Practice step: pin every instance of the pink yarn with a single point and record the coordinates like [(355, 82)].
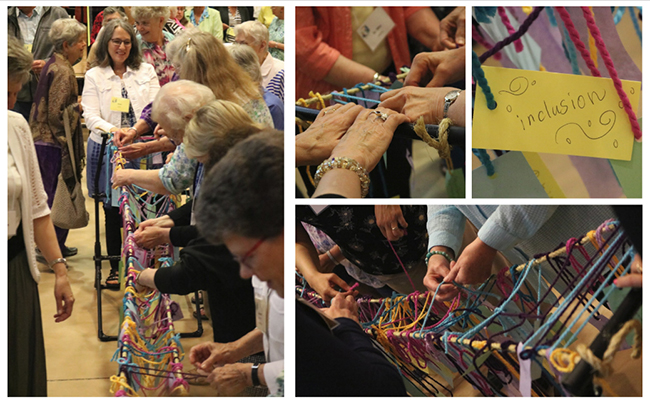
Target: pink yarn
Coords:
[(600, 44), (577, 41), (476, 35), (120, 393), (511, 30)]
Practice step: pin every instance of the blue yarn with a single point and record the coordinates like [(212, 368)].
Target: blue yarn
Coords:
[(635, 21), (551, 16), (484, 14), (483, 156), (570, 49), (479, 77), (355, 97), (619, 15)]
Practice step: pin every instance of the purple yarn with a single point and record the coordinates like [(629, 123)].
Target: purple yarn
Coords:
[(520, 32)]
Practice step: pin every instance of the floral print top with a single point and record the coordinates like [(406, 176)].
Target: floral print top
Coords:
[(156, 56), (276, 34)]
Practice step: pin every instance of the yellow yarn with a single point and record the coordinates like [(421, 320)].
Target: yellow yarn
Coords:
[(442, 144), (320, 99)]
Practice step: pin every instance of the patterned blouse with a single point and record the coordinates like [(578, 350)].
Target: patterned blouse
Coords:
[(354, 228), (156, 56), (276, 34), (180, 172)]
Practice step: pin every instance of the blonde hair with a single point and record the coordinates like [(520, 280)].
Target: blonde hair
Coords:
[(247, 59), (176, 103), (146, 13), (201, 57), (215, 128)]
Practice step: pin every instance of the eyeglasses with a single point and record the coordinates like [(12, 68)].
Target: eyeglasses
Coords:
[(243, 42), (119, 42), (246, 256)]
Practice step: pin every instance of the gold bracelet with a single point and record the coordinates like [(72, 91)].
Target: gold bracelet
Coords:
[(343, 162)]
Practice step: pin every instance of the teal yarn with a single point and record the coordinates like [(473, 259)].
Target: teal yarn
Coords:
[(483, 156), (484, 14), (479, 77)]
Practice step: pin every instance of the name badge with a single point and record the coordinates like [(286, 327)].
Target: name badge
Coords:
[(375, 28), (120, 105), (262, 312)]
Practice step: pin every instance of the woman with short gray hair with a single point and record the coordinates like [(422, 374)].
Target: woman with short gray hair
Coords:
[(150, 22), (56, 116)]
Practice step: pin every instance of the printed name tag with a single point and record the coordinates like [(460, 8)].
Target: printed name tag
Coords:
[(120, 105), (554, 113), (375, 28)]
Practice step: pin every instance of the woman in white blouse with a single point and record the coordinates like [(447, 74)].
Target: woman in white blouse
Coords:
[(29, 226), (115, 93)]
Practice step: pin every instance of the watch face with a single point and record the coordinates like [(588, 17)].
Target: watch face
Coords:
[(451, 96)]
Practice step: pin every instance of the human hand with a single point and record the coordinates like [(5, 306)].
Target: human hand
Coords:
[(635, 278), (37, 66), (64, 298), (437, 270), (324, 285), (474, 264), (452, 29), (317, 142), (326, 263), (135, 151), (343, 306), (231, 379), (436, 69), (151, 237), (121, 177), (390, 221), (159, 132), (123, 136), (205, 356), (163, 222), (415, 102), (369, 137), (224, 26)]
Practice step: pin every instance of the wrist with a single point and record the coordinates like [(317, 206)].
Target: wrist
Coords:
[(254, 375)]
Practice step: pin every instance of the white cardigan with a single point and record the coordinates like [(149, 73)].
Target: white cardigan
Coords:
[(33, 200), (102, 84)]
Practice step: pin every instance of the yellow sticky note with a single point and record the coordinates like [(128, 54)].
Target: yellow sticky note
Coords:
[(554, 113), (544, 175), (120, 105), (28, 47)]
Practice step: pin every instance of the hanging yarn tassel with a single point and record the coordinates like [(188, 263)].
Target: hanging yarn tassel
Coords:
[(483, 156), (511, 30), (551, 16), (479, 76), (609, 63), (577, 41), (441, 144)]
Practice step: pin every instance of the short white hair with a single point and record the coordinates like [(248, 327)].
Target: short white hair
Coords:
[(148, 12), (255, 30), (66, 30), (176, 103)]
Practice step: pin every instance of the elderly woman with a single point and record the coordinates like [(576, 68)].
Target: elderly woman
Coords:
[(29, 225), (276, 33), (232, 214), (115, 92), (256, 35), (150, 22), (56, 116), (201, 58), (247, 59)]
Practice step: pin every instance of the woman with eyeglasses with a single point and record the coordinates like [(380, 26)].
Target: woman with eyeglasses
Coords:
[(114, 95)]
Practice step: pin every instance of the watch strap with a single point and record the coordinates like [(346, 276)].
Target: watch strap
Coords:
[(254, 375)]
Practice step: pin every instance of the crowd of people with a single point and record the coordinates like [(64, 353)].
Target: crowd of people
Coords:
[(333, 56), (183, 94)]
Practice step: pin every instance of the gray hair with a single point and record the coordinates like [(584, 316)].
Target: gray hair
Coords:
[(229, 203), (176, 103), (147, 12), (19, 61), (112, 10), (255, 30), (66, 30), (101, 44), (247, 59)]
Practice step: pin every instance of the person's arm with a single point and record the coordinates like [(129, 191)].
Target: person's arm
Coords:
[(276, 45), (140, 149), (424, 26), (153, 83), (307, 262), (209, 354), (178, 174), (92, 106), (511, 224), (180, 236), (445, 225), (426, 102), (181, 216), (45, 239), (147, 179)]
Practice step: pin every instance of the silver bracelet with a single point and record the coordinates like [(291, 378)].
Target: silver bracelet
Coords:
[(332, 257), (343, 162), (58, 260)]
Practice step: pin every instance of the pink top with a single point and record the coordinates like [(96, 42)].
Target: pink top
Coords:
[(324, 33)]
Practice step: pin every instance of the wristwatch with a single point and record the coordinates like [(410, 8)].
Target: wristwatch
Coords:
[(254, 376), (450, 98)]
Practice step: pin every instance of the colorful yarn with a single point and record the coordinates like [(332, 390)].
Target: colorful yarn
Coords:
[(600, 44), (577, 41), (511, 30), (483, 156), (476, 35), (484, 14), (520, 32), (635, 22)]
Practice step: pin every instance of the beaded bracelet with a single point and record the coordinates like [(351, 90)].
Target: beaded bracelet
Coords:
[(434, 252), (343, 162)]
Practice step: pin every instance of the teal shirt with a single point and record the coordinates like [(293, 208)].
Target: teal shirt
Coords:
[(276, 34)]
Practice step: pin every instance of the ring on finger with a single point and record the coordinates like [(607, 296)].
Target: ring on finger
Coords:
[(395, 228), (382, 116), (330, 110)]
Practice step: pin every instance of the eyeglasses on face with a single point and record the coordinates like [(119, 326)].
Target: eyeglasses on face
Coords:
[(242, 260), (119, 42)]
